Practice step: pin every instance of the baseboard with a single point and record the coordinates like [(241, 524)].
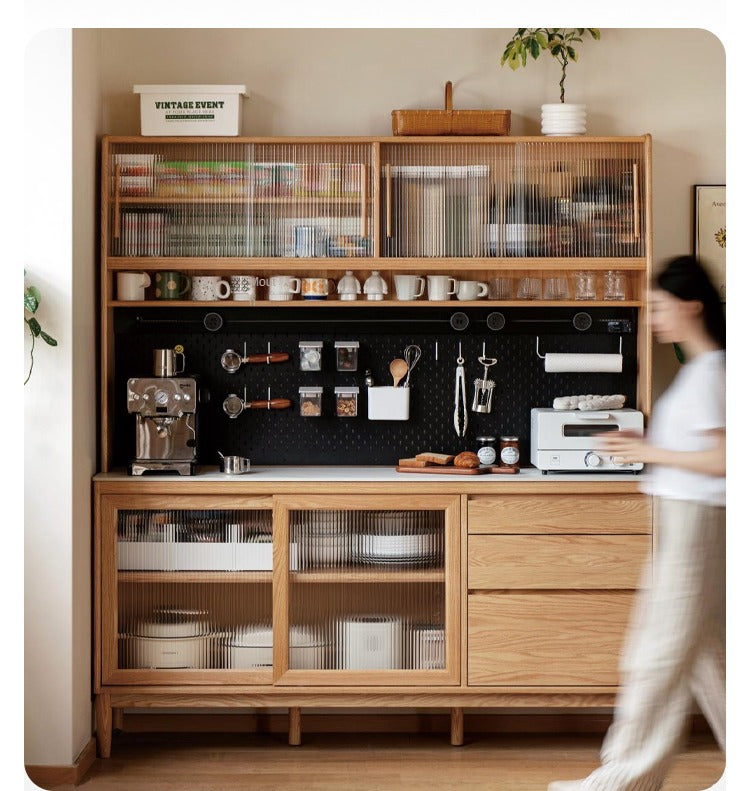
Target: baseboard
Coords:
[(48, 776)]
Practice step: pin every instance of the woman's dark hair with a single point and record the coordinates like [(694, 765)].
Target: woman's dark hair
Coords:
[(686, 279)]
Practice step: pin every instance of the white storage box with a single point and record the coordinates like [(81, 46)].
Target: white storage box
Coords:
[(388, 403), (190, 109), (253, 556)]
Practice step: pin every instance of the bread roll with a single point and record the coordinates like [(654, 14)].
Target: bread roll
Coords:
[(466, 459)]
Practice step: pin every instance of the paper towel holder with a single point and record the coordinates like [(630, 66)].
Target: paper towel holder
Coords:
[(544, 356)]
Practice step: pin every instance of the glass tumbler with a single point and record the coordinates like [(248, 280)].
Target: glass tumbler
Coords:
[(501, 288), (585, 285), (556, 288), (529, 288), (614, 285)]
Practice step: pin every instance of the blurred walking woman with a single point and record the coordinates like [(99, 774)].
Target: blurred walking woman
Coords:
[(675, 649)]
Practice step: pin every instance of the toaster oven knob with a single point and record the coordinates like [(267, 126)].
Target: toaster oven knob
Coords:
[(592, 460)]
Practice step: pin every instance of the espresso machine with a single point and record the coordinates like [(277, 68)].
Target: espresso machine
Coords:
[(166, 410)]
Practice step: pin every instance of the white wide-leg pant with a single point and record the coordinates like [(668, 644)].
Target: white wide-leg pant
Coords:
[(674, 651)]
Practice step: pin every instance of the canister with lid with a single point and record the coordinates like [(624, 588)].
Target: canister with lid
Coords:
[(486, 450), (310, 355), (510, 453)]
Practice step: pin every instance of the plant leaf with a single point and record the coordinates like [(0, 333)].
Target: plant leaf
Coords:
[(572, 53), (595, 32), (534, 48), (541, 39), (34, 326), (555, 49), (31, 299), (47, 338)]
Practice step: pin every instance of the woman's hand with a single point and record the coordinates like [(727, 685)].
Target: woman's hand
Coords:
[(627, 447)]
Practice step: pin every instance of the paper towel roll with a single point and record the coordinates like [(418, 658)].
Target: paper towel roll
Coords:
[(604, 363)]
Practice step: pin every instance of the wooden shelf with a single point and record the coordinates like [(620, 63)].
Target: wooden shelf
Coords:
[(368, 576), (367, 263), (363, 303), (194, 576)]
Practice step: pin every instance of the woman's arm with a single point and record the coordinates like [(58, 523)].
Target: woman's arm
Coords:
[(634, 448)]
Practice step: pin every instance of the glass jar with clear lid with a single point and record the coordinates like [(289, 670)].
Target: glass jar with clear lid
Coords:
[(310, 355), (346, 401), (311, 401), (347, 353)]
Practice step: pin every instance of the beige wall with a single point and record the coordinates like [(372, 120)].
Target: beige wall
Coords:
[(346, 82)]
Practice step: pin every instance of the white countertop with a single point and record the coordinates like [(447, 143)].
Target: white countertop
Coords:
[(366, 475)]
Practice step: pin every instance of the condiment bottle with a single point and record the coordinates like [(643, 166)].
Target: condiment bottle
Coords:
[(510, 453)]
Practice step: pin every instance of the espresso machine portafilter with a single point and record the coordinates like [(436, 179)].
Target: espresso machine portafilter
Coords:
[(166, 408)]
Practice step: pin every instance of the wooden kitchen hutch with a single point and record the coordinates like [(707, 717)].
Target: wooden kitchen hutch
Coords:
[(320, 590)]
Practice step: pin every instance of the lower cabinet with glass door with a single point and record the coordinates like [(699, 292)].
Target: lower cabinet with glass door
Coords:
[(211, 600)]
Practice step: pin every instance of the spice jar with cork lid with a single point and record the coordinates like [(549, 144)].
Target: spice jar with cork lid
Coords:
[(510, 453)]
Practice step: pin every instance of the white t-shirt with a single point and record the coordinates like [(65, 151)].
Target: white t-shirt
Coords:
[(695, 403)]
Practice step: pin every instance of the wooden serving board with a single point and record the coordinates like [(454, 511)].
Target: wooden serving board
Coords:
[(448, 469), (506, 470)]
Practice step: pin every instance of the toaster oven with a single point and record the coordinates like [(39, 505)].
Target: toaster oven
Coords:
[(565, 439)]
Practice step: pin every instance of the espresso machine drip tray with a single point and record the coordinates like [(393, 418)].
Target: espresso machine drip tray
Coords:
[(139, 467)]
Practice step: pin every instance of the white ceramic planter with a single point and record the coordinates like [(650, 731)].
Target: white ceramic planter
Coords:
[(563, 119)]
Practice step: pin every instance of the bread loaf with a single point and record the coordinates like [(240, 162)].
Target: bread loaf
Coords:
[(434, 458), (466, 459), (412, 463)]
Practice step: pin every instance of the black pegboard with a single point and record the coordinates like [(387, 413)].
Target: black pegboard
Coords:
[(284, 437)]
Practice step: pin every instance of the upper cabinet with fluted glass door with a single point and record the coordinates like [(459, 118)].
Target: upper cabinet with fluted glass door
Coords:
[(470, 207)]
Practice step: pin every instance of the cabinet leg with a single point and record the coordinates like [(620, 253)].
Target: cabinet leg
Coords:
[(117, 719), (103, 725), (457, 727), (295, 726)]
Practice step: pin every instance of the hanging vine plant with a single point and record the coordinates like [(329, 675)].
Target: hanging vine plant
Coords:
[(31, 299)]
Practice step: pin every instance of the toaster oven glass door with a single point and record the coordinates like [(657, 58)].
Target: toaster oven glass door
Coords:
[(579, 430)]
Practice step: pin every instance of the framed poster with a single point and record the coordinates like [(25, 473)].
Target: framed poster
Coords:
[(711, 233)]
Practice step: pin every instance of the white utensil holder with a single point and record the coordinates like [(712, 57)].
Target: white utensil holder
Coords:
[(388, 403)]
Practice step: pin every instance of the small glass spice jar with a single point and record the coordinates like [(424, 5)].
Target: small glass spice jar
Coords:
[(486, 450), (310, 355), (510, 453), (346, 401), (347, 353), (310, 401)]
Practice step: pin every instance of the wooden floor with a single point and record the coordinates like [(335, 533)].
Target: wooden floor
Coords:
[(368, 762)]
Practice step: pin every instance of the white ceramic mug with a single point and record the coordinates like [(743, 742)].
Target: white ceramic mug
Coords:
[(441, 287), (131, 286), (472, 289), (282, 288), (208, 288), (409, 287), (242, 288)]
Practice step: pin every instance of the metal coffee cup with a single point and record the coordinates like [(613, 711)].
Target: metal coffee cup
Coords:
[(165, 362), (235, 465)]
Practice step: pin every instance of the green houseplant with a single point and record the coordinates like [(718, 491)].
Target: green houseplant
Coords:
[(556, 119), (31, 299)]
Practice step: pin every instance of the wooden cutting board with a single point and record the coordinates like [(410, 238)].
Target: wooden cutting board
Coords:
[(448, 469)]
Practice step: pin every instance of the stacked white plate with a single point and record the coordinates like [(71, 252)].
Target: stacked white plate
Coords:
[(563, 119)]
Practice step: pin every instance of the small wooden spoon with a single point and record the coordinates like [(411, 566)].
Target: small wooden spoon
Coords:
[(398, 368)]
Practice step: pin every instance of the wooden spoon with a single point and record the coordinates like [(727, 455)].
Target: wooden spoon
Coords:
[(398, 368)]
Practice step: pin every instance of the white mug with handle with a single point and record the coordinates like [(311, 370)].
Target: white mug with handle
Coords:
[(208, 288), (472, 289), (131, 286), (441, 287), (409, 287)]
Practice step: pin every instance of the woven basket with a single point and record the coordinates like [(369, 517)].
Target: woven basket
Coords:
[(450, 121)]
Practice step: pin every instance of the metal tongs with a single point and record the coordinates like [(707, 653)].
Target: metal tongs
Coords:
[(459, 423), (484, 388)]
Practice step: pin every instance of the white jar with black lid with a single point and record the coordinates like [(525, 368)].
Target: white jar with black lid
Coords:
[(486, 450)]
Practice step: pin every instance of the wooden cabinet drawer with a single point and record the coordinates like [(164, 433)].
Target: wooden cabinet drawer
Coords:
[(547, 561), (560, 513), (565, 638)]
